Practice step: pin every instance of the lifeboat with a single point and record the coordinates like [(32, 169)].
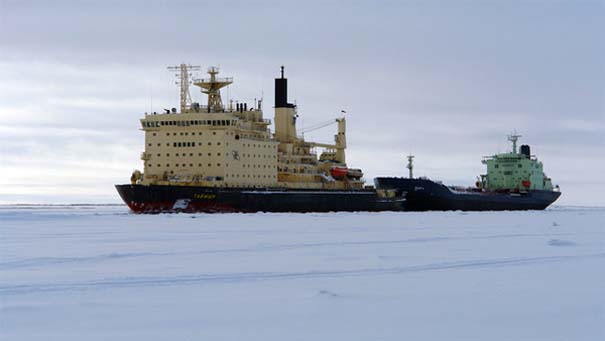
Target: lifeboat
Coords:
[(355, 173), (339, 172)]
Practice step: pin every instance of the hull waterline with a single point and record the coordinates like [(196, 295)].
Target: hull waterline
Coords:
[(159, 199)]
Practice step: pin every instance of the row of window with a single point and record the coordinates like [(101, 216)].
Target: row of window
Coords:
[(185, 144), (183, 165), (190, 154), (237, 137), (182, 123), (191, 144), (518, 165), (187, 134), (219, 154), (218, 165)]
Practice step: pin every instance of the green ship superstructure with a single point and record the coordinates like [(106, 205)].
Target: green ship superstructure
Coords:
[(516, 171)]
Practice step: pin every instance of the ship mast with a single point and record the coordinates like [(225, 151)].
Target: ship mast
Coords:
[(513, 138), (183, 76), (410, 165)]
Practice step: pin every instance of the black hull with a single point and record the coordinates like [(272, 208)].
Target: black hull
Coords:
[(157, 199), (427, 195)]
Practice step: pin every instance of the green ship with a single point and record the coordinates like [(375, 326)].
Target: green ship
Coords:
[(514, 181)]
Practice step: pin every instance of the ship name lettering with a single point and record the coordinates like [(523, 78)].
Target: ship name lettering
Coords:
[(204, 196)]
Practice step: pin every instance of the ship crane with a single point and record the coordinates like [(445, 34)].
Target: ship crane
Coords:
[(340, 140), (318, 126)]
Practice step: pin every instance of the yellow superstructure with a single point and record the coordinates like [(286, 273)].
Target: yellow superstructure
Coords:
[(232, 146)]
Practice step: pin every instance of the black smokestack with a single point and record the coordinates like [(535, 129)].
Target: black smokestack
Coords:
[(281, 92), (526, 151)]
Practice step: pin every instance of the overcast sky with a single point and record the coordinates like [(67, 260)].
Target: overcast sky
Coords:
[(444, 80)]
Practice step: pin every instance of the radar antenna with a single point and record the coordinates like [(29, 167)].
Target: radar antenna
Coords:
[(212, 87), (183, 76), (513, 138), (410, 165)]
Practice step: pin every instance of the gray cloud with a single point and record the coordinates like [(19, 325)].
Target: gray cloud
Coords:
[(444, 80)]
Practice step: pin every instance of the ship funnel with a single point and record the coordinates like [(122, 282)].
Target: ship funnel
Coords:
[(281, 92), (525, 150)]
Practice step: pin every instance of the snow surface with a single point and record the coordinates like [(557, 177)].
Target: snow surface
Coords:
[(101, 273)]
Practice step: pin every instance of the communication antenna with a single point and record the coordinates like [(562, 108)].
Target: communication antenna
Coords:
[(183, 83), (513, 138), (211, 86), (410, 165)]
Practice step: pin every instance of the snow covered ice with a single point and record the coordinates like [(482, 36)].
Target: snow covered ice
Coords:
[(101, 273)]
